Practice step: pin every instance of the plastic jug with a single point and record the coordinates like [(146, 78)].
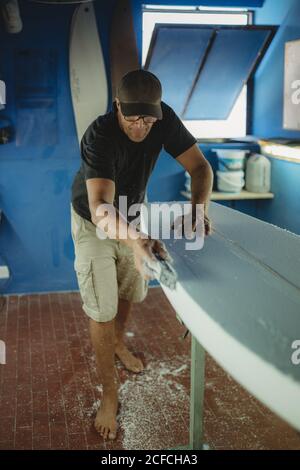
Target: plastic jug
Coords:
[(258, 174)]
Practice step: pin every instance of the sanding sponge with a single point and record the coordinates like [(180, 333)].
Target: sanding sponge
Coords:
[(162, 270)]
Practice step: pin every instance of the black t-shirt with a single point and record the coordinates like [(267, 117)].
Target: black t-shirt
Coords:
[(107, 152)]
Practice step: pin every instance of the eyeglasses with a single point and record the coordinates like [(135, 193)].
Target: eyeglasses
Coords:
[(146, 119)]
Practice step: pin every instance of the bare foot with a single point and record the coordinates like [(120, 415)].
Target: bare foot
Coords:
[(131, 362), (105, 421)]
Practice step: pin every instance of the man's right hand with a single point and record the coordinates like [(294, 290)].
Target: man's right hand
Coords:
[(143, 249)]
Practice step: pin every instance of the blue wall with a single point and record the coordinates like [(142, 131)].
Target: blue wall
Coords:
[(37, 167), (284, 210), (269, 78)]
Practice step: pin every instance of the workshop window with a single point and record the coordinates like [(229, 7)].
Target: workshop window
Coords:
[(190, 75)]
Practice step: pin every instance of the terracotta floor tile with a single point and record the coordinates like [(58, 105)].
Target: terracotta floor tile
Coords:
[(77, 442), (41, 426), (23, 440), (7, 428), (41, 443), (39, 402), (7, 445), (58, 435)]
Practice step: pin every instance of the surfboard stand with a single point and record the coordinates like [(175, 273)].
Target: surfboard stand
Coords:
[(196, 398)]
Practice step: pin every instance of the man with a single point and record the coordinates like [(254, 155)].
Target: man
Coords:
[(119, 151)]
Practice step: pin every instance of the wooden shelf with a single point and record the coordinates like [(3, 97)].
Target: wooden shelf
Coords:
[(221, 196), (280, 151)]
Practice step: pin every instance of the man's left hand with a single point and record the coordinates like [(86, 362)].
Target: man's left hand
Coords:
[(207, 225), (192, 221)]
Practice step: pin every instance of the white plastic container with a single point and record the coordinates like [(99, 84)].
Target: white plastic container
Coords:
[(230, 181), (258, 174), (230, 159)]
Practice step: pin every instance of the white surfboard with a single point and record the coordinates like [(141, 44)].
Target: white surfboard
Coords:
[(240, 298), (87, 69), (123, 47)]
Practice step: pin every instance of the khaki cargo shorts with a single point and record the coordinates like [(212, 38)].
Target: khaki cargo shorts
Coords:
[(105, 271)]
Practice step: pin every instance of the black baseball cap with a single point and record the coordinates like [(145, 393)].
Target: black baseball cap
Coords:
[(139, 93)]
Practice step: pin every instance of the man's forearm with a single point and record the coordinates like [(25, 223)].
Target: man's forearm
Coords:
[(201, 186)]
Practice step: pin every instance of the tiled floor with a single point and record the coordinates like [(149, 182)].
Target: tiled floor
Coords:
[(50, 390)]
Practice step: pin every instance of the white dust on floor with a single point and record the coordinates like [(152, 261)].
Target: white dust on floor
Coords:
[(153, 404), (130, 334)]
